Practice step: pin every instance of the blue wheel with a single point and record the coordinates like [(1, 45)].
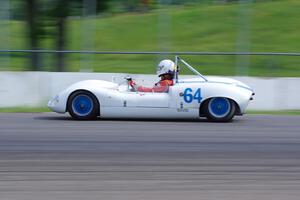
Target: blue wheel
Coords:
[(83, 105), (220, 109)]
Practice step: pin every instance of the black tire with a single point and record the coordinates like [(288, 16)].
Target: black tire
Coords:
[(83, 105), (220, 109)]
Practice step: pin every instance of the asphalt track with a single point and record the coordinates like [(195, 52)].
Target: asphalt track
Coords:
[(46, 156)]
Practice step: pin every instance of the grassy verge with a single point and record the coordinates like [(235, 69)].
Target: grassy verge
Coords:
[(273, 27), (280, 112), (24, 110)]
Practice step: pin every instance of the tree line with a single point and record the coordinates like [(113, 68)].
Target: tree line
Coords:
[(48, 18)]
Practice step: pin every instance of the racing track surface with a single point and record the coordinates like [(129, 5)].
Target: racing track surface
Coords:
[(47, 156)]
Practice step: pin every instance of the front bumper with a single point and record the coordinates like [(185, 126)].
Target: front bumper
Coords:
[(55, 104)]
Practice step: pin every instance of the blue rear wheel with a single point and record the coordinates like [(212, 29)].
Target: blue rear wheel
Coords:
[(220, 109), (83, 105)]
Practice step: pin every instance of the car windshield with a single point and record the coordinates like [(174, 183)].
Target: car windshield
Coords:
[(189, 67)]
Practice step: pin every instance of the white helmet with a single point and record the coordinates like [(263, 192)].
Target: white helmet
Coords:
[(166, 67)]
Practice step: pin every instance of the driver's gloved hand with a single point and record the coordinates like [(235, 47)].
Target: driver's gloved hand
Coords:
[(133, 85)]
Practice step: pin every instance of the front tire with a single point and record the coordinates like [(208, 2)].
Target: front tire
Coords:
[(220, 109), (83, 105)]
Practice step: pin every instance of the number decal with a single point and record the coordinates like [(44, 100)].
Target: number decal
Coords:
[(198, 95), (188, 95)]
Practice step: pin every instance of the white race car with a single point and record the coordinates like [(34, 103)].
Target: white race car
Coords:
[(217, 99)]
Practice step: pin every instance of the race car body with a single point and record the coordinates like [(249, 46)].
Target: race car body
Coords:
[(217, 98)]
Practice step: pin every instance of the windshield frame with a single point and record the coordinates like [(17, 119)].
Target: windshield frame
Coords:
[(189, 67)]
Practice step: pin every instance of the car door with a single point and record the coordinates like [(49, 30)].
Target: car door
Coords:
[(152, 99), (190, 95), (146, 99)]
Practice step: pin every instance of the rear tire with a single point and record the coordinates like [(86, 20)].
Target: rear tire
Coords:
[(83, 105), (220, 109)]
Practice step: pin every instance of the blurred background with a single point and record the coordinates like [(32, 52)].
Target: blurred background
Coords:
[(151, 25)]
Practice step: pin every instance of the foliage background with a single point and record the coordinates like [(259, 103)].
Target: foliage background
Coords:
[(148, 25)]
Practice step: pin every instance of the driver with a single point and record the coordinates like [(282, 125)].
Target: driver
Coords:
[(166, 71)]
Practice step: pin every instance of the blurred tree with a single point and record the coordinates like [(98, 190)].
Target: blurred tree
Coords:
[(34, 31), (131, 5), (52, 18), (60, 11), (77, 5), (145, 5)]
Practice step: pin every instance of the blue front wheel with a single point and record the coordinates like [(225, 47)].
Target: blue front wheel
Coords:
[(220, 109), (83, 105)]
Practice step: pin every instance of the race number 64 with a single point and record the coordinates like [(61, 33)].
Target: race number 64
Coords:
[(189, 95)]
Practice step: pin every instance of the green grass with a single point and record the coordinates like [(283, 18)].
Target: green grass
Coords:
[(24, 110), (279, 112), (204, 27)]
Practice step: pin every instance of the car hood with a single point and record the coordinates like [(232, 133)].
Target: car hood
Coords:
[(216, 79), (93, 84)]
